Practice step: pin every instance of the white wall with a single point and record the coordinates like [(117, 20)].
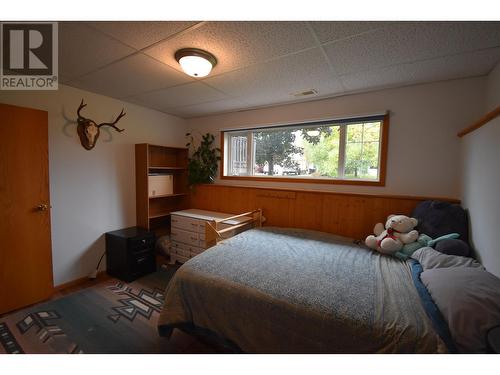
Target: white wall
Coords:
[(92, 192), (481, 180), (423, 158)]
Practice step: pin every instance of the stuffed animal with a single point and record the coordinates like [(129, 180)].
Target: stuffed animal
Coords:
[(397, 232), (422, 241)]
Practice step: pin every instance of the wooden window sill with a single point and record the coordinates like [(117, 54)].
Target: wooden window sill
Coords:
[(306, 180)]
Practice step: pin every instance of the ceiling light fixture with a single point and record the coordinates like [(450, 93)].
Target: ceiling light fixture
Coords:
[(195, 62)]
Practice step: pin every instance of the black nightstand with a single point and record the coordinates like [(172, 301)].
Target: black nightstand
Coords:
[(130, 253), (493, 338)]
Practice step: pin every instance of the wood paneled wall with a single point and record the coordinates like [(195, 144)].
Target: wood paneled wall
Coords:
[(351, 215)]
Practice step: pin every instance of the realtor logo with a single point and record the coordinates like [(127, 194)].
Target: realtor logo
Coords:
[(29, 56)]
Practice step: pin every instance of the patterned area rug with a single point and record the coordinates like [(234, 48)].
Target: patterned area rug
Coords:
[(111, 317)]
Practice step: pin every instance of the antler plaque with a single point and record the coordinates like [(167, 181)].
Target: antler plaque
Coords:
[(88, 130)]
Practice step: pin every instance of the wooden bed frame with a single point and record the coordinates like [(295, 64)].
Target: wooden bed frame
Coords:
[(215, 233)]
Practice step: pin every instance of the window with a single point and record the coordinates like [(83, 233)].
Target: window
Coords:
[(337, 151)]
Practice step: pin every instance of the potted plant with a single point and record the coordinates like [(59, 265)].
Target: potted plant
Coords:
[(203, 163)]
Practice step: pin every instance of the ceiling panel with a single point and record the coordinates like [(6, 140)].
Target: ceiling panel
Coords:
[(450, 67), (445, 38), (238, 44), (142, 34), (332, 31), (203, 109), (280, 78), (132, 75), (83, 49), (184, 95), (407, 42)]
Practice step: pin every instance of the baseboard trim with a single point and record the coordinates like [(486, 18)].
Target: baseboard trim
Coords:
[(101, 276)]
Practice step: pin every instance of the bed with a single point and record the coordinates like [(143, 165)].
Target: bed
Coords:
[(275, 290)]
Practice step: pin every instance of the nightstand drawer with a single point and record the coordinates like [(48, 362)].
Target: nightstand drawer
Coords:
[(139, 244), (143, 264)]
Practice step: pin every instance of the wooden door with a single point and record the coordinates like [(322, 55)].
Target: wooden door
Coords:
[(25, 246)]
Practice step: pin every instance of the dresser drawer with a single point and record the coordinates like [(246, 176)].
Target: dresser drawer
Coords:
[(188, 224), (183, 253), (181, 259), (181, 248), (190, 238), (196, 250)]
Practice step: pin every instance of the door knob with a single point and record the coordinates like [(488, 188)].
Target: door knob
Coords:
[(43, 207)]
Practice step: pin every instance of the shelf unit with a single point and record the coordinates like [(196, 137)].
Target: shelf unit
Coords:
[(153, 213)]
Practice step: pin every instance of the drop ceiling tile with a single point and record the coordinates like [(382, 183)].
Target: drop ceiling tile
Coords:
[(141, 34), (269, 99), (405, 42), (446, 38), (238, 44), (83, 49), (281, 78), (376, 49), (203, 109), (444, 68), (331, 31), (183, 95), (130, 76)]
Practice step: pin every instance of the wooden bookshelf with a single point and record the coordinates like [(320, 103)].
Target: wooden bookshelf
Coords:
[(153, 213)]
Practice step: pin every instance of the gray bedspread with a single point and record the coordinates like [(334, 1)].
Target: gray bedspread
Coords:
[(274, 290)]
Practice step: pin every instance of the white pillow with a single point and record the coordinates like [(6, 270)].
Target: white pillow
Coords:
[(469, 300)]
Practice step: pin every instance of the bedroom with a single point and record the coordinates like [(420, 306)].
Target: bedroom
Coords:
[(325, 128)]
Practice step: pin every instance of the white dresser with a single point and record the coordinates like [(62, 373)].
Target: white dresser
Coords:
[(188, 232)]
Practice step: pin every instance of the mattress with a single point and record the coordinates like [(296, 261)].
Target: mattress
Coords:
[(275, 290)]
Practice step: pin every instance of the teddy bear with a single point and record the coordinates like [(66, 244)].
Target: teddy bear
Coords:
[(397, 232)]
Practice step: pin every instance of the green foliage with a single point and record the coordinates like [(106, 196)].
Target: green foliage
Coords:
[(203, 163), (324, 154), (361, 152), (276, 148), (356, 164)]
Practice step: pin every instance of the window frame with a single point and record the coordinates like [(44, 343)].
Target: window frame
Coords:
[(384, 139)]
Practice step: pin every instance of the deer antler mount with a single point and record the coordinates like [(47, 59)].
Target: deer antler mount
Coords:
[(89, 131)]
